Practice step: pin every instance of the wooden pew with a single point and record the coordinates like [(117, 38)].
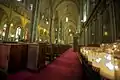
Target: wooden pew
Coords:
[(17, 57), (91, 71), (33, 52), (4, 56), (24, 56), (61, 49), (36, 56), (41, 56), (48, 55), (56, 51), (40, 53), (13, 57)]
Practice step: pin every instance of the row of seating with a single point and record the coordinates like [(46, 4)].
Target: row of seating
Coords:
[(92, 72), (33, 56)]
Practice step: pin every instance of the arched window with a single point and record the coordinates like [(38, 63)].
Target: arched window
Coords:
[(4, 29), (26, 34), (18, 33)]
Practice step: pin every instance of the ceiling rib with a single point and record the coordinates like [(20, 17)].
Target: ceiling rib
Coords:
[(73, 1)]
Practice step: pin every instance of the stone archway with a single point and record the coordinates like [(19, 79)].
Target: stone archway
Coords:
[(43, 35), (3, 15), (69, 31), (16, 23), (67, 9), (59, 2), (3, 23)]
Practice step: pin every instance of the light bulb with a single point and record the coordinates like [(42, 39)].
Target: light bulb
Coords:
[(5, 25), (69, 30), (66, 19), (44, 30), (55, 29), (70, 34), (3, 34), (12, 35), (40, 40), (116, 67), (114, 46), (47, 22), (19, 0), (11, 24)]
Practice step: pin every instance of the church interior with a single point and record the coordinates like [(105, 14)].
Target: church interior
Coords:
[(59, 40)]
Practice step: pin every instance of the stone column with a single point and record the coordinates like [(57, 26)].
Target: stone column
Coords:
[(34, 21), (9, 21)]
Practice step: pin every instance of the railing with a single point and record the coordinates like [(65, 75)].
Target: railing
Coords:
[(89, 71), (105, 58)]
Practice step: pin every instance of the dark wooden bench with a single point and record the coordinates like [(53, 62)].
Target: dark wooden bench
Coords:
[(17, 57)]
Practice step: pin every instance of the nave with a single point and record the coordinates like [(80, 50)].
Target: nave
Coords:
[(65, 67)]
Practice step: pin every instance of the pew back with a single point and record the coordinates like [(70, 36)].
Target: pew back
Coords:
[(33, 52), (15, 57), (18, 57), (4, 56)]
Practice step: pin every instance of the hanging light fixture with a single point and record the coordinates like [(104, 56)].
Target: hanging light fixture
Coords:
[(12, 35), (40, 40), (43, 16), (70, 34), (31, 6), (105, 33), (66, 19), (66, 13), (44, 30), (11, 24), (55, 29), (5, 25), (47, 22), (19, 0), (3, 34), (69, 30)]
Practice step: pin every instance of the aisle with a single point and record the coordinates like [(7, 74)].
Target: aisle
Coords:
[(65, 67)]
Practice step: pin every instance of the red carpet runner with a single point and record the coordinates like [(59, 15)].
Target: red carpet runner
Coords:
[(65, 67)]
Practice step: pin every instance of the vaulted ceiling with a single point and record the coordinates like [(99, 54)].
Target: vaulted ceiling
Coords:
[(65, 8)]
